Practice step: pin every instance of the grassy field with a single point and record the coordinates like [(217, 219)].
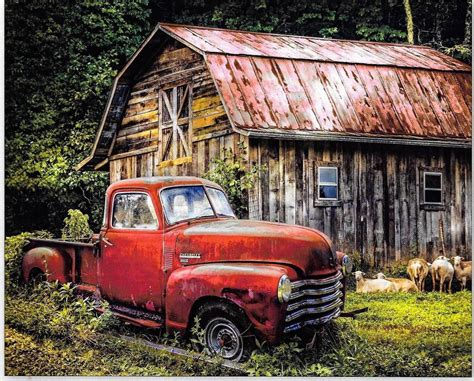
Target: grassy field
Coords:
[(49, 333)]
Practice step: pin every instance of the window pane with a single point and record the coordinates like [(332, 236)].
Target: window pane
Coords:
[(133, 211), (328, 191), (328, 175), (220, 202), (184, 203), (433, 196), (433, 181)]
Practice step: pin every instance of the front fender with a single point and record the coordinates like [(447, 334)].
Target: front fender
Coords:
[(252, 287), (50, 261)]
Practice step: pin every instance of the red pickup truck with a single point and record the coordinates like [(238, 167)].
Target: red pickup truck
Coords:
[(171, 249)]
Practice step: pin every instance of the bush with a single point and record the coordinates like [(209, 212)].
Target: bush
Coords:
[(76, 226), (14, 255), (235, 177)]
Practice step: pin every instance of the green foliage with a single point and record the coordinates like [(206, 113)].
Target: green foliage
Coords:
[(425, 331), (50, 330), (14, 255), (459, 51), (60, 60), (402, 335), (407, 335), (236, 177), (76, 226)]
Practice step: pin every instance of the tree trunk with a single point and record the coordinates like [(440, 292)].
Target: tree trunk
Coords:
[(409, 17), (468, 24)]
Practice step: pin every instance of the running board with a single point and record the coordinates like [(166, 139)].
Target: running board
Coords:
[(137, 321)]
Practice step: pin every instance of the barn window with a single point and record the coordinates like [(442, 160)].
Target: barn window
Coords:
[(175, 133), (432, 187), (328, 183)]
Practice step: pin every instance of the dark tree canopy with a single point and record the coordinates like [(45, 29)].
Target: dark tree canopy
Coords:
[(61, 58)]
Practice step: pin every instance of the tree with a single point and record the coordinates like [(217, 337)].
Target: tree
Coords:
[(409, 17), (60, 60)]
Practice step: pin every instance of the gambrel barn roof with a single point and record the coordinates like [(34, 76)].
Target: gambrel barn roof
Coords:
[(297, 87)]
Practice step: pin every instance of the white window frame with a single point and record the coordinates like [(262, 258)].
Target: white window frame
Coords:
[(440, 189), (153, 212), (336, 184)]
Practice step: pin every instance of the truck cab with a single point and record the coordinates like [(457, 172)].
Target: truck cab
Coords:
[(171, 249)]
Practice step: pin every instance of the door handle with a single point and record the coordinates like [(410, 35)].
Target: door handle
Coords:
[(107, 242)]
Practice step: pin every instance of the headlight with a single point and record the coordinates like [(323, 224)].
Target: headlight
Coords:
[(284, 289), (346, 265)]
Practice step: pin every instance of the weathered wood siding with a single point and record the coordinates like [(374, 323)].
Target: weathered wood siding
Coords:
[(137, 149), (378, 212)]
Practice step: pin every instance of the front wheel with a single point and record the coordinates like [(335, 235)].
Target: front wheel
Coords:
[(224, 338), (227, 331)]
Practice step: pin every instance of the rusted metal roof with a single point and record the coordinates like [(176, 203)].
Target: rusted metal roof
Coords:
[(293, 86), (241, 43), (274, 95)]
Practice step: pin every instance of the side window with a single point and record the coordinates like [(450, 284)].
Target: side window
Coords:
[(328, 183), (133, 211), (433, 188)]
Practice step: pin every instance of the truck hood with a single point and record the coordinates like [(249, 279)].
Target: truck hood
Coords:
[(305, 249)]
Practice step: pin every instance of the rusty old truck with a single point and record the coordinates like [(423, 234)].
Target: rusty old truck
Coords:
[(171, 249)]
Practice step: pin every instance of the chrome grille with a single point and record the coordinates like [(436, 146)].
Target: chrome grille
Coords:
[(313, 302)]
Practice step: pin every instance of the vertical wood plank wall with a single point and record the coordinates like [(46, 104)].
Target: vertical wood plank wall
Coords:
[(379, 212)]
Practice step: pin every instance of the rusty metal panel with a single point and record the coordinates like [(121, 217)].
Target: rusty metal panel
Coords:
[(232, 42), (270, 93)]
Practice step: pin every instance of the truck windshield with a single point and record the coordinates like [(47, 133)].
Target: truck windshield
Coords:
[(191, 202), (220, 203)]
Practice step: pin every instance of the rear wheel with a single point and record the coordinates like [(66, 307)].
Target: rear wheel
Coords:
[(36, 276), (227, 331)]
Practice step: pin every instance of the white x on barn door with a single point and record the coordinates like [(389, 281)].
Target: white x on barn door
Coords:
[(175, 134)]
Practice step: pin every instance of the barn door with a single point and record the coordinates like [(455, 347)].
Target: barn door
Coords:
[(175, 131)]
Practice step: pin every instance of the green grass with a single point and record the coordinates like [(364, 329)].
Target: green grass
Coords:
[(401, 335), (436, 326)]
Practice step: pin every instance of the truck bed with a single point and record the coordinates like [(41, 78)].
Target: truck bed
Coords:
[(81, 258)]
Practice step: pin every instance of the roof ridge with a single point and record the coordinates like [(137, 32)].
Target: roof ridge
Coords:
[(413, 46)]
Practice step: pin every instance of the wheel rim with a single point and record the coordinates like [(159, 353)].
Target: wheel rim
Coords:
[(224, 339)]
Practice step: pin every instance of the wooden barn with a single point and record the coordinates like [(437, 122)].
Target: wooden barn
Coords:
[(367, 142)]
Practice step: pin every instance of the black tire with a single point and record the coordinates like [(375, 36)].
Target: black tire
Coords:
[(227, 331), (36, 276)]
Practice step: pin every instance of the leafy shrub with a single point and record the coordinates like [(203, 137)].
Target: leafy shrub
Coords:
[(236, 178), (54, 310), (76, 226), (397, 270), (14, 246)]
